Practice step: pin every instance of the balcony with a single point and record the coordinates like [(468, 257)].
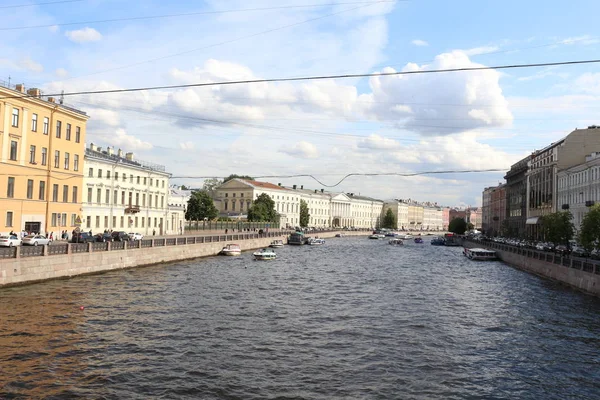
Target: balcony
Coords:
[(132, 209)]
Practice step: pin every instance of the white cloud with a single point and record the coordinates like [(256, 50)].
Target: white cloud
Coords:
[(588, 83), (376, 142), (189, 145), (302, 149), (125, 141), (86, 34), (54, 28), (419, 42), (582, 40), (28, 64), (480, 50), (61, 73)]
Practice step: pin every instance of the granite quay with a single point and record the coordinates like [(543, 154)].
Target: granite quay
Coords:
[(579, 273), (24, 265)]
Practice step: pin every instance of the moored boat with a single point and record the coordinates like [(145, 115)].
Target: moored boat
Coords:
[(296, 238), (316, 241), (377, 236), (231, 250), (479, 254), (265, 254), (276, 243), (396, 242), (339, 235), (438, 241)]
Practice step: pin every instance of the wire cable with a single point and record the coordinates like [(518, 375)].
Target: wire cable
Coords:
[(38, 4), (314, 78)]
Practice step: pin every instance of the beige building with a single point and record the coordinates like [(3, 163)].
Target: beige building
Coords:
[(41, 156), (400, 210)]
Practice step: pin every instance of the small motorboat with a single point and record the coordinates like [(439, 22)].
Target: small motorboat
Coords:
[(231, 250), (438, 241), (406, 236), (478, 254), (264, 254), (316, 241), (276, 243), (377, 236), (396, 242), (339, 235), (419, 240)]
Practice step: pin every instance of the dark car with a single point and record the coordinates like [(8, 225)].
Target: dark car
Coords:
[(82, 237), (561, 249), (103, 237), (120, 236)]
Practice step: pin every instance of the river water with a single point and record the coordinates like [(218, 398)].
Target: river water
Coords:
[(353, 319)]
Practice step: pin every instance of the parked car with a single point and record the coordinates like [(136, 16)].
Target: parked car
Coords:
[(83, 237), (120, 236), (103, 237), (135, 236), (9, 241), (561, 249), (35, 240), (579, 251)]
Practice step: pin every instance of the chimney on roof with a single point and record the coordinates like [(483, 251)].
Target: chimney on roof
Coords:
[(110, 151), (294, 187), (120, 153), (92, 147), (51, 99), (129, 156), (19, 87), (279, 184), (322, 190), (315, 190), (301, 186), (99, 149), (34, 92)]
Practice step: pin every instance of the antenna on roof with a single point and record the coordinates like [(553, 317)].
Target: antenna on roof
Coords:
[(62, 97)]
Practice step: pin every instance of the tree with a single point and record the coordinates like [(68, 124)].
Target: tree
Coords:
[(558, 228), (233, 176), (589, 233), (304, 215), (389, 220), (210, 184), (200, 206), (470, 226), (183, 187), (263, 209), (458, 226)]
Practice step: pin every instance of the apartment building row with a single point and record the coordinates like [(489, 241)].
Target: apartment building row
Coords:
[(564, 175)]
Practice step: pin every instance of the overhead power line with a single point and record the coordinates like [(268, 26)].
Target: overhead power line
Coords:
[(315, 77), (140, 18), (38, 4)]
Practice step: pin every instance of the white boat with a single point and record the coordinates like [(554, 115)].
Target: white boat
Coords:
[(405, 237), (316, 241), (339, 235), (276, 243), (265, 254), (396, 242), (377, 236), (480, 254), (231, 250)]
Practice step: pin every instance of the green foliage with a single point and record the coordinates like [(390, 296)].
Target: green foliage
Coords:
[(183, 187), (263, 209), (458, 226), (558, 228), (233, 176), (200, 206), (304, 215), (389, 220), (470, 226), (589, 234), (210, 184)]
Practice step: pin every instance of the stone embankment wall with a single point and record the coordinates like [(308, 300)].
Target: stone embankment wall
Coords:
[(570, 271), (25, 270)]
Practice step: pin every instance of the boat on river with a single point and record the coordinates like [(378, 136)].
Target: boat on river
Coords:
[(405, 236), (480, 254), (296, 238), (316, 241), (396, 242), (419, 239), (265, 254), (231, 250), (438, 241), (276, 243), (377, 236), (339, 235)]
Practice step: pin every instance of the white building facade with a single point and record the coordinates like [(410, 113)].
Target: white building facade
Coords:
[(366, 212), (124, 194), (178, 200), (432, 219)]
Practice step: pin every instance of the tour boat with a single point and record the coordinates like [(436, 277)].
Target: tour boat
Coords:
[(296, 238), (396, 242), (438, 241), (265, 254), (316, 241), (377, 236), (419, 240), (480, 254), (231, 250), (276, 243)]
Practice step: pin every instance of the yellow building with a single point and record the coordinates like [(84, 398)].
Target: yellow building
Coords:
[(41, 162)]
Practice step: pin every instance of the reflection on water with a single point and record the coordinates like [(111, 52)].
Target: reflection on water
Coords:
[(354, 318)]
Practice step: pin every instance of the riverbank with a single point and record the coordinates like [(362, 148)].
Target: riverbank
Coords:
[(43, 263), (572, 272)]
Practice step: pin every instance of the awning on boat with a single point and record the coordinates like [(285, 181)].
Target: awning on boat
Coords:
[(532, 221)]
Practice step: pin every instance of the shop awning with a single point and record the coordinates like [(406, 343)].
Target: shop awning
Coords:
[(532, 221)]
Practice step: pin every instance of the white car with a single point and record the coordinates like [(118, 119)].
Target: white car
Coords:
[(135, 236), (35, 240), (9, 241)]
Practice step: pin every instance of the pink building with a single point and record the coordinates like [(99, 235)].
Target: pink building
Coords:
[(445, 218)]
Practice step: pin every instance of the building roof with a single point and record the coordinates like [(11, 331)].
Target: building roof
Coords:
[(358, 197), (263, 185)]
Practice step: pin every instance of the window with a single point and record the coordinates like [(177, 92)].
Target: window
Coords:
[(58, 129), (46, 125), (67, 160), (9, 218), (97, 221), (55, 192), (98, 196), (73, 217), (77, 134), (63, 219), (30, 188), (89, 196), (88, 222), (91, 172), (115, 200), (123, 197), (145, 181), (76, 162), (162, 201), (68, 133), (150, 201), (137, 199), (42, 194), (143, 219), (138, 180), (75, 194), (163, 184), (144, 200), (13, 150), (150, 181), (122, 220), (65, 193), (54, 218), (130, 178), (10, 189), (32, 154), (44, 156), (124, 177), (107, 196), (114, 222), (34, 122), (130, 198), (99, 173), (116, 176), (56, 159), (15, 117), (107, 174), (106, 221)]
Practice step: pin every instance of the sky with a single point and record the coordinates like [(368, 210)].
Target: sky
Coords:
[(402, 124)]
